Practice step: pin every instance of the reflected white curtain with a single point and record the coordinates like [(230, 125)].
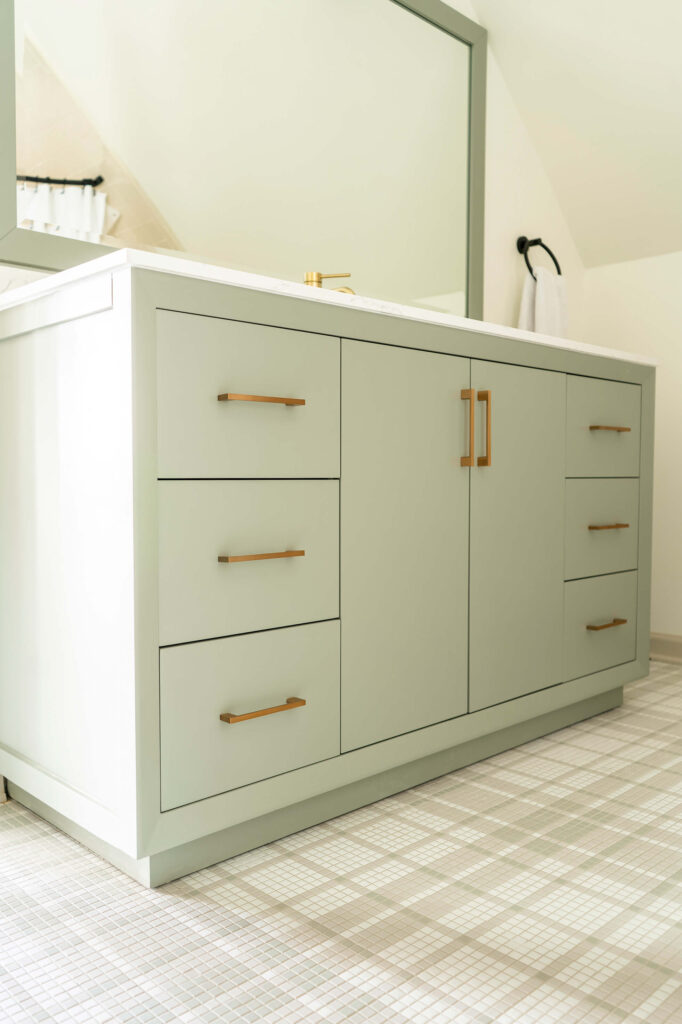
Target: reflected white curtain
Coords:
[(69, 210)]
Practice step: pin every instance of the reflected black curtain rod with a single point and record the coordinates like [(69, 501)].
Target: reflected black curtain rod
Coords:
[(62, 181), (523, 244)]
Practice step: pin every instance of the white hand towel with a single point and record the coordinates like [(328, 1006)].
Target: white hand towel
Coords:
[(527, 310), (543, 304)]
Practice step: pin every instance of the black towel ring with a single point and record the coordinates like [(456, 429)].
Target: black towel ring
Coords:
[(523, 244)]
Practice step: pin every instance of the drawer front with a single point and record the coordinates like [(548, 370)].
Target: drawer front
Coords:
[(201, 755), (199, 358), (598, 602), (602, 403), (601, 526), (201, 521)]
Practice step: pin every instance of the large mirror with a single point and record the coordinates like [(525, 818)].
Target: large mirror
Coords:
[(274, 136)]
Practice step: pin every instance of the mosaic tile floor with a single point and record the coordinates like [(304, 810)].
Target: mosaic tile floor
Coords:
[(541, 886)]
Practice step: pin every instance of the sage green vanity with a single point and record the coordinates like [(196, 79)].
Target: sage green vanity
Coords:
[(452, 522)]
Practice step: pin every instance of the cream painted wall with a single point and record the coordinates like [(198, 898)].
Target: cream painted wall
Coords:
[(519, 200), (637, 306), (600, 86)]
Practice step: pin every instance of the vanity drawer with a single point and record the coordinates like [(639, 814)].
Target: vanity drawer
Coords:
[(601, 526), (201, 521), (600, 601), (202, 357), (593, 403), (202, 755)]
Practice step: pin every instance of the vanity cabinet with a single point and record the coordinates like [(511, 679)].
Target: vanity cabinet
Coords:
[(201, 754), (437, 532), (244, 400), (404, 541), (517, 533), (602, 428), (270, 557), (601, 620), (281, 538), (601, 526)]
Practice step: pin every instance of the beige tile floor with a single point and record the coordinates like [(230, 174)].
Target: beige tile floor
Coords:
[(541, 886)]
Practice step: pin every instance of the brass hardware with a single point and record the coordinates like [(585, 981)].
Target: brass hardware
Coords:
[(292, 702), (611, 526), (484, 396), (467, 395), (314, 278), (607, 625), (230, 397), (619, 430), (258, 558)]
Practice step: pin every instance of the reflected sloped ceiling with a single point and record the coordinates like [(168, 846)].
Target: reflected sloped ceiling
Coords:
[(281, 135)]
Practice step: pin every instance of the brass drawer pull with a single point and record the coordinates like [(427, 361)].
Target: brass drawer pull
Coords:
[(231, 397), (607, 625), (258, 558), (467, 395), (292, 702), (620, 430), (611, 526), (484, 396)]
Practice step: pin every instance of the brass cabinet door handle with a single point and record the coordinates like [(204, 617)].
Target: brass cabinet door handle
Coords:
[(619, 430), (485, 396), (611, 526), (607, 625), (291, 703), (467, 395), (258, 558), (230, 396)]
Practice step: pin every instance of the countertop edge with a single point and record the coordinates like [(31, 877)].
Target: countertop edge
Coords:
[(162, 263)]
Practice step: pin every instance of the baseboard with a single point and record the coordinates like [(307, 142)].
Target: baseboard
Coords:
[(163, 867), (136, 869), (666, 647), (200, 853)]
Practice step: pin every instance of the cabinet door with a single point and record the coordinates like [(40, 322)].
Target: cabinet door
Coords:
[(404, 540), (517, 534)]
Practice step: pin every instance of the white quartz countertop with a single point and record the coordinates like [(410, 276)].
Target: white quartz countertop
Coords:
[(210, 272)]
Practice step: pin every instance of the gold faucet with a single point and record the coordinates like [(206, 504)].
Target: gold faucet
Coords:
[(314, 278)]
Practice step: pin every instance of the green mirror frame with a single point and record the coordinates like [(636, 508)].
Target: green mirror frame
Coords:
[(20, 247)]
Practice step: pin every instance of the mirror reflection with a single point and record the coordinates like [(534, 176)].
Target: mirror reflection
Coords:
[(279, 138)]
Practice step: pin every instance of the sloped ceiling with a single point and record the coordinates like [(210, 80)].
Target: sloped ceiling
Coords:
[(599, 85)]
